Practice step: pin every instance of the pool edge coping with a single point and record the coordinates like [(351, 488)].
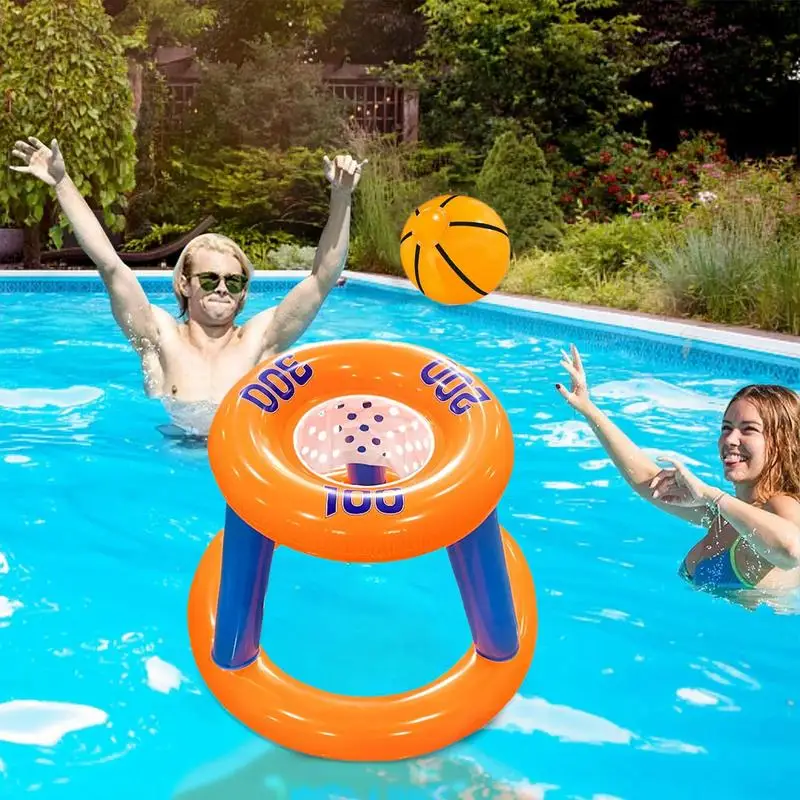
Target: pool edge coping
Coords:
[(766, 343)]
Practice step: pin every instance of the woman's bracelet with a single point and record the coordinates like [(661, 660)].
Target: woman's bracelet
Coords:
[(713, 505)]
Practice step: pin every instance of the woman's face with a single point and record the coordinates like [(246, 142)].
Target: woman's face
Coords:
[(742, 447)]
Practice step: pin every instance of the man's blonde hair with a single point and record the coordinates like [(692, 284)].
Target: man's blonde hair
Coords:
[(206, 241)]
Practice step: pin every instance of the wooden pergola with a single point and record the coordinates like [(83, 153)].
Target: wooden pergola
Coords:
[(377, 106)]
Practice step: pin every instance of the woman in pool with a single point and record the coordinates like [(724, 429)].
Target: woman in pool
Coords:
[(753, 535)]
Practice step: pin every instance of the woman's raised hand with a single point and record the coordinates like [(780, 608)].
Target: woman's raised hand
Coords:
[(578, 394)]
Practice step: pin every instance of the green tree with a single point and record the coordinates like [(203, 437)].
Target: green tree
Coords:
[(146, 24), (273, 99), (373, 32), (284, 21), (64, 76), (517, 184), (548, 64)]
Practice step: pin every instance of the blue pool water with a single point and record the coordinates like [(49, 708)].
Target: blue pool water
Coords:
[(640, 687)]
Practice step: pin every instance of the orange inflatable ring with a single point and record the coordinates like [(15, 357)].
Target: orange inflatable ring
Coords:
[(362, 451)]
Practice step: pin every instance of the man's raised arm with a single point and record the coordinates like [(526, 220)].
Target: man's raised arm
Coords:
[(129, 303), (282, 327)]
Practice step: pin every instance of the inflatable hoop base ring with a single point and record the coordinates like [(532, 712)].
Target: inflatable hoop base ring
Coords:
[(359, 451), (346, 728)]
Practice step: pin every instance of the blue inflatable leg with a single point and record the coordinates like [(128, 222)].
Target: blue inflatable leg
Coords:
[(246, 561), (479, 565)]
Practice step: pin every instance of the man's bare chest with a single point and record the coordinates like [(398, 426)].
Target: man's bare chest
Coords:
[(194, 374)]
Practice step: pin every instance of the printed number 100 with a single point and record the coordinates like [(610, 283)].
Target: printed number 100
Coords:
[(359, 501)]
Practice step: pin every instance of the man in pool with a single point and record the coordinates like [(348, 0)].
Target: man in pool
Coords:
[(200, 359), (752, 536)]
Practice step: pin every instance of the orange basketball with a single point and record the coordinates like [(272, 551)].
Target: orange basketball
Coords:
[(455, 249)]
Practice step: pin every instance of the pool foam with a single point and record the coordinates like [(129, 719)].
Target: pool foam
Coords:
[(44, 723), (71, 397), (162, 676), (654, 393), (530, 714)]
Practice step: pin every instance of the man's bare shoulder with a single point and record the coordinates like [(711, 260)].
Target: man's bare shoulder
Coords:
[(164, 320), (166, 326), (257, 325)]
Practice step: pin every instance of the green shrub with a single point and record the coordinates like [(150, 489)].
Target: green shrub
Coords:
[(627, 177), (517, 184), (387, 193), (288, 256), (155, 237), (734, 259), (542, 274), (596, 251), (274, 99), (448, 169), (63, 75), (778, 301), (263, 189)]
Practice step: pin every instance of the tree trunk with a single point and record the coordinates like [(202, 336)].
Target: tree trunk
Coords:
[(135, 71), (31, 247)]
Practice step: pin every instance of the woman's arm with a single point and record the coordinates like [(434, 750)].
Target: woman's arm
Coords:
[(773, 531), (635, 466)]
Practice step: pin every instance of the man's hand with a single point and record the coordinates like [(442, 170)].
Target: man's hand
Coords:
[(41, 161), (344, 172)]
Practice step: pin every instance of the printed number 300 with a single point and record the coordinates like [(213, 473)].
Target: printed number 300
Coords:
[(277, 384), (460, 397)]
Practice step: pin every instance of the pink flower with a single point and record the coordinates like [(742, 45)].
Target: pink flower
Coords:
[(643, 198), (636, 215)]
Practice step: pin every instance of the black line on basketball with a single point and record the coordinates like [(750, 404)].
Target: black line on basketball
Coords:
[(444, 203), (485, 225), (406, 236), (416, 268), (454, 267)]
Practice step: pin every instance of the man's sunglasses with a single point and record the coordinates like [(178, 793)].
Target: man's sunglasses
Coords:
[(210, 280)]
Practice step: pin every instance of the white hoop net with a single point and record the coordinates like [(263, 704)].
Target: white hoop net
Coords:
[(363, 429)]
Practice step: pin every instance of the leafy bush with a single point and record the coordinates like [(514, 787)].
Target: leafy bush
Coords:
[(288, 256), (450, 168), (276, 99), (593, 255), (628, 177), (82, 100), (592, 252), (155, 237), (557, 68), (387, 193), (542, 274), (735, 257), (267, 190), (516, 182)]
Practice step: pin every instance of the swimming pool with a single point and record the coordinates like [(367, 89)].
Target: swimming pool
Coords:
[(640, 687)]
